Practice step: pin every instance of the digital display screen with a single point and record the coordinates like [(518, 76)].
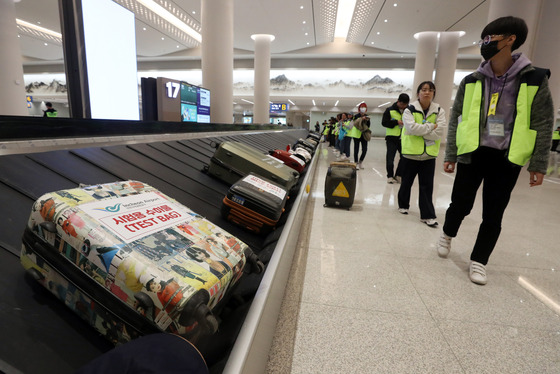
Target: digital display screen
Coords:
[(195, 103)]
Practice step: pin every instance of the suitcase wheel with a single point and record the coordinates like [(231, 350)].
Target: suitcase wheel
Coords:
[(256, 266), (48, 226)]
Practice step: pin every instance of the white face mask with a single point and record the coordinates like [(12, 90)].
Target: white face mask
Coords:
[(362, 110)]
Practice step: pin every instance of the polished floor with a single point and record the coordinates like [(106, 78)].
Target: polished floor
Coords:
[(368, 293)]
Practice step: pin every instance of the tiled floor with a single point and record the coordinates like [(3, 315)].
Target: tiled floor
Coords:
[(368, 293)]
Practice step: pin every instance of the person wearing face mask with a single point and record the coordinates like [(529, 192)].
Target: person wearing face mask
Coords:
[(361, 125), (423, 122), (501, 119)]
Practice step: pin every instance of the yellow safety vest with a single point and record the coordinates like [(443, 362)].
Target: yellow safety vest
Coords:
[(523, 138), (395, 131), (415, 145)]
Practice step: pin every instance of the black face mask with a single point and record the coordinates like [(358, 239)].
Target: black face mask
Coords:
[(490, 50)]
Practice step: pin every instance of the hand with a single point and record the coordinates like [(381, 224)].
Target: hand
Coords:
[(448, 167), (400, 122), (535, 178)]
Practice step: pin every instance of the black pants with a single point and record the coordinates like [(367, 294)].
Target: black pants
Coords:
[(357, 142), (555, 145), (499, 176), (425, 171), (393, 145)]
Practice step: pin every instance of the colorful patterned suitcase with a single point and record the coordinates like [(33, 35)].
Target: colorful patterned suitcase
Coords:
[(132, 261), (255, 204)]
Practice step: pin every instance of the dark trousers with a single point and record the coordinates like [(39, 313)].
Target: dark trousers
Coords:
[(357, 142), (345, 145), (499, 176), (393, 145), (331, 139), (555, 145), (425, 171)]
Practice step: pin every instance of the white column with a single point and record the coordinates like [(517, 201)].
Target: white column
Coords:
[(530, 11), (445, 68), (12, 87), (425, 59), (546, 48), (261, 107), (217, 57)]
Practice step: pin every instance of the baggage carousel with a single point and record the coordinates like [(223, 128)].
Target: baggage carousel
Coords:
[(39, 333)]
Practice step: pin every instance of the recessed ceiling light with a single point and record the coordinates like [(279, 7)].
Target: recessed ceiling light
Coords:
[(301, 7), (46, 44), (304, 22), (143, 28), (162, 38), (385, 21), (307, 43), (395, 4), (378, 33), (372, 42), (193, 12), (306, 33), (38, 22)]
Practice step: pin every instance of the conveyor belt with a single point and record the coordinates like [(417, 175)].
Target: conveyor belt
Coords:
[(38, 331)]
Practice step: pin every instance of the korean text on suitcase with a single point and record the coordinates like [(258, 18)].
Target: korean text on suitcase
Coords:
[(340, 185), (255, 204), (132, 261), (234, 160)]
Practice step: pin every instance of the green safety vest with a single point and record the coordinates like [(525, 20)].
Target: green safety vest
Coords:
[(414, 144), (395, 131), (523, 139), (51, 114), (354, 133), (556, 135)]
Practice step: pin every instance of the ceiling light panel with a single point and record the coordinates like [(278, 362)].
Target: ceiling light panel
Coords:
[(34, 31), (365, 14), (324, 14), (164, 26)]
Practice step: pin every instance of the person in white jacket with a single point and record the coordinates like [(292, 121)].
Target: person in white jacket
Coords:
[(423, 122)]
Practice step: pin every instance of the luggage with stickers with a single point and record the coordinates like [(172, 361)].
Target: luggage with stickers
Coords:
[(302, 154), (340, 185), (132, 261), (255, 204), (233, 160), (289, 159)]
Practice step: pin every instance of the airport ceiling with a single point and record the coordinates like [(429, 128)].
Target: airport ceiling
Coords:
[(380, 33)]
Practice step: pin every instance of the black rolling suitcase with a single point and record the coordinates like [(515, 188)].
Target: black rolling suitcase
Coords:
[(255, 204), (233, 161), (340, 185), (132, 261)]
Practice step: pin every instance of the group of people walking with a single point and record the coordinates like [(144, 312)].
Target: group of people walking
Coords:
[(339, 132), (501, 119)]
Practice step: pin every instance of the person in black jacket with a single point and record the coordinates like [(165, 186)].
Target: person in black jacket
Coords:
[(392, 121), (50, 112)]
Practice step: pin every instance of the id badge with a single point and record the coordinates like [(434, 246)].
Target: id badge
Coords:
[(496, 126)]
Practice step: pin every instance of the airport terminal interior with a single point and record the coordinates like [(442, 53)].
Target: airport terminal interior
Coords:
[(358, 290)]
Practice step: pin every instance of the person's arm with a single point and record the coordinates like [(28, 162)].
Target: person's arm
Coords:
[(456, 111), (387, 121), (413, 128), (437, 132), (542, 121)]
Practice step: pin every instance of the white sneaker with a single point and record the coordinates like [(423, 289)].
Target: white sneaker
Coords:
[(477, 273), (360, 165), (398, 179), (443, 245), (391, 180), (430, 222), (403, 211)]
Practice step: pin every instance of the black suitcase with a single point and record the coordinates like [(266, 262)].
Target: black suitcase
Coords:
[(340, 185), (255, 204), (315, 135), (132, 261), (233, 161)]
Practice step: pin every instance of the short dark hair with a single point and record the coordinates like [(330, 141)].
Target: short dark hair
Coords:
[(404, 98), (508, 26), (48, 103), (429, 83)]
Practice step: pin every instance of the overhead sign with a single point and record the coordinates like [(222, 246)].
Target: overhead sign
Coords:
[(279, 107)]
